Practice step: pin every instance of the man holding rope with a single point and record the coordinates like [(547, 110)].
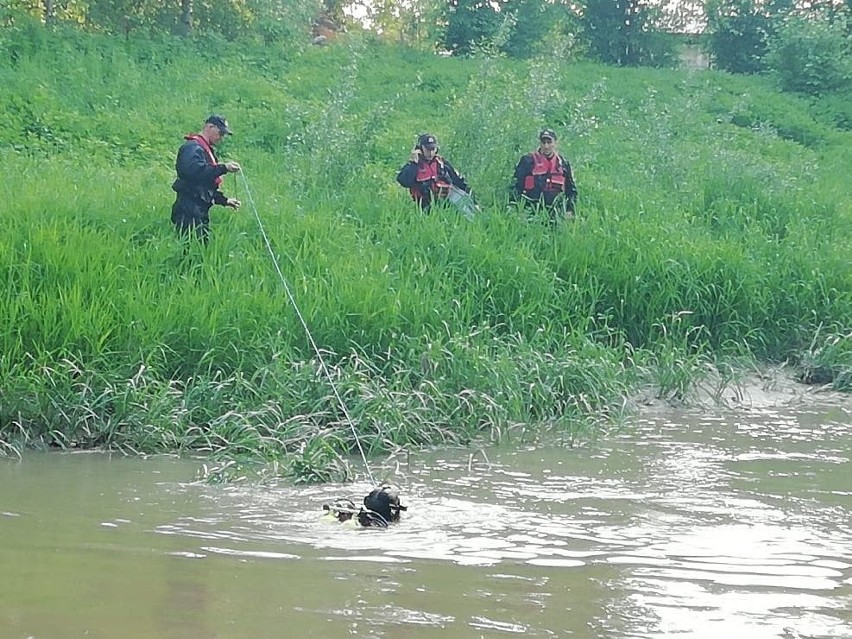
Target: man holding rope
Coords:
[(199, 176)]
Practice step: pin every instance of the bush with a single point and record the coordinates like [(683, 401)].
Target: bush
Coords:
[(810, 55), (836, 109), (626, 34), (737, 40)]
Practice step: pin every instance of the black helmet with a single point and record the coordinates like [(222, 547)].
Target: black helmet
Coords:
[(385, 501)]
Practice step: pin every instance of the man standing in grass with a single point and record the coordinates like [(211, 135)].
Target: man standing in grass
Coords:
[(199, 176), (427, 175), (544, 177)]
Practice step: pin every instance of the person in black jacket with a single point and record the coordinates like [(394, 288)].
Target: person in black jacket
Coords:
[(199, 176), (427, 175), (544, 177)]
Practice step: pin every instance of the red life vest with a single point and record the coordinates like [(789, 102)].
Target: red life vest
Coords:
[(550, 169), (430, 172), (208, 150)]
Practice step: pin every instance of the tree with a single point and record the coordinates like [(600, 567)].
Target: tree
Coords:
[(532, 22), (683, 16), (271, 20), (470, 23), (740, 30), (737, 39), (811, 54), (333, 9), (186, 17), (408, 21), (626, 33)]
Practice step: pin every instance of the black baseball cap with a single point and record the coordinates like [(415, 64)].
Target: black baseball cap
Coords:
[(547, 133), (220, 123), (427, 141)]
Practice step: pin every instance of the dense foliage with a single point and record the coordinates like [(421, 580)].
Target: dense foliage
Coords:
[(812, 55), (470, 24), (269, 20), (738, 30), (627, 32), (714, 223), (806, 45)]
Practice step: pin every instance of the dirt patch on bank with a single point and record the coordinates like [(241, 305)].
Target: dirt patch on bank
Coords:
[(759, 389)]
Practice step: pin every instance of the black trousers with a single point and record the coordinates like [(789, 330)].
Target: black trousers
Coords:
[(191, 218)]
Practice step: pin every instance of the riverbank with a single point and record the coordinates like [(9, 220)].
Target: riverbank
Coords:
[(712, 231), (757, 387)]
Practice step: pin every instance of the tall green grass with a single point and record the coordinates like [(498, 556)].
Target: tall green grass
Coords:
[(701, 235)]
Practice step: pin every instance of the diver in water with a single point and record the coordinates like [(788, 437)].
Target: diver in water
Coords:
[(384, 501), (381, 508)]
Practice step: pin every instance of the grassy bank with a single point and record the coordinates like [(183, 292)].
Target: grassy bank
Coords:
[(714, 224)]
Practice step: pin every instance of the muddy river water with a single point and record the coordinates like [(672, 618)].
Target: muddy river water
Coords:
[(691, 523)]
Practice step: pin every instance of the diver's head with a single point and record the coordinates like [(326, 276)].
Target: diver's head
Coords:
[(385, 502)]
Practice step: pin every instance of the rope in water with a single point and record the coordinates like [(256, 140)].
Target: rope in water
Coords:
[(292, 299)]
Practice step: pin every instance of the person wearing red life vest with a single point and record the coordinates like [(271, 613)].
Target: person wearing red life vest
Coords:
[(544, 177), (427, 175), (199, 176)]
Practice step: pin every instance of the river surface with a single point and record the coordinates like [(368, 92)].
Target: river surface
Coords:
[(705, 523)]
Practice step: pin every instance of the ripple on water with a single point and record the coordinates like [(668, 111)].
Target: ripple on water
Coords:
[(388, 615), (685, 518)]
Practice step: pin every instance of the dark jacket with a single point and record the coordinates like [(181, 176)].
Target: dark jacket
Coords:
[(539, 192), (199, 174), (422, 191)]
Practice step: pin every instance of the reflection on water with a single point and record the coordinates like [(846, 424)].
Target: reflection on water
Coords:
[(697, 525)]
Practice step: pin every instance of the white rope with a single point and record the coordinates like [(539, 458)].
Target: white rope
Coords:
[(305, 326)]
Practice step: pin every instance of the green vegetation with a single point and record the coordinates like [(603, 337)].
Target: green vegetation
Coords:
[(714, 226)]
